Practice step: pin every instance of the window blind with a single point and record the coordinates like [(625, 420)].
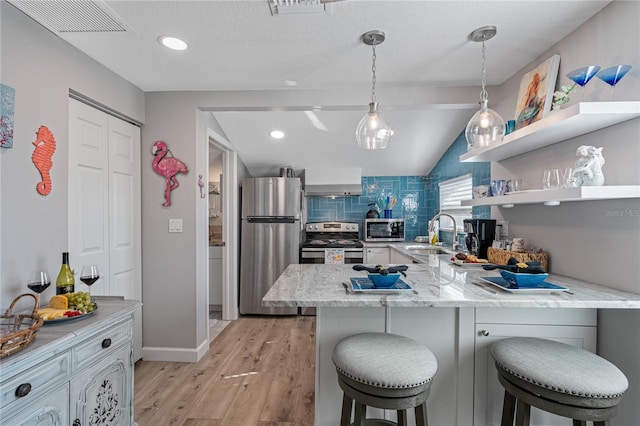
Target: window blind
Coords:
[(452, 193)]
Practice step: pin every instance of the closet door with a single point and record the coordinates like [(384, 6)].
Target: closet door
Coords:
[(104, 204), (89, 193), (124, 209)]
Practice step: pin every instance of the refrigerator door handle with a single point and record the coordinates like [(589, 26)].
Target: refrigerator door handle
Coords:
[(271, 219)]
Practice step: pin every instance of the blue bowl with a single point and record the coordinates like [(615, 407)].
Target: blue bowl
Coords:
[(523, 280), (384, 281)]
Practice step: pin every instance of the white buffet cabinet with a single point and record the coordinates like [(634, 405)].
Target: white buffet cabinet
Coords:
[(75, 373)]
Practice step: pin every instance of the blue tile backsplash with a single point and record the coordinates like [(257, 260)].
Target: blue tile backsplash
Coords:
[(417, 196)]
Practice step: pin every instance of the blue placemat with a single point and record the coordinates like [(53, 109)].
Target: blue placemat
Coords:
[(538, 287), (365, 285)]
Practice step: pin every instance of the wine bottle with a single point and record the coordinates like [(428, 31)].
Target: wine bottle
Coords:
[(65, 283)]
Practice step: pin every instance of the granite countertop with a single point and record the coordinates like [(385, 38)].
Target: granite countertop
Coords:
[(438, 283)]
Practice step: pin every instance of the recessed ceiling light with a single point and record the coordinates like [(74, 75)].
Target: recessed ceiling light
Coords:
[(277, 134), (172, 43), (290, 83)]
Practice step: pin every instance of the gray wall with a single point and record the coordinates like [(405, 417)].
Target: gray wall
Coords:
[(584, 240), (42, 68)]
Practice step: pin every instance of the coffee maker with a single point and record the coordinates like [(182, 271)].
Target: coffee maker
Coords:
[(480, 236)]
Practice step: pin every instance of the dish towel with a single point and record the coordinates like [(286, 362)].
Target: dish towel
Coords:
[(334, 256)]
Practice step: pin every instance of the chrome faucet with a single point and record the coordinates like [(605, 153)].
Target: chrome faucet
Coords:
[(455, 229)]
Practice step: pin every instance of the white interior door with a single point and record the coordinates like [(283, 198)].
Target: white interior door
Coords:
[(124, 210), (104, 204), (89, 192)]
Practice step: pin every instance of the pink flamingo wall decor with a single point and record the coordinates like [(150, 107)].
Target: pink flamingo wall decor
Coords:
[(45, 146), (167, 166)]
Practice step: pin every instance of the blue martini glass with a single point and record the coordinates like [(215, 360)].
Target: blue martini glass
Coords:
[(582, 76), (613, 75)]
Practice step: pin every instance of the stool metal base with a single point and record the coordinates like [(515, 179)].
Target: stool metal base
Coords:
[(518, 401)]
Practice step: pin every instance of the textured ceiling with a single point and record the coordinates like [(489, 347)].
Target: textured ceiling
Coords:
[(240, 46)]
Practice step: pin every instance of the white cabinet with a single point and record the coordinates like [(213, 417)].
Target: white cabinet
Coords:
[(575, 327), (215, 275), (377, 255), (80, 373), (398, 258), (101, 395)]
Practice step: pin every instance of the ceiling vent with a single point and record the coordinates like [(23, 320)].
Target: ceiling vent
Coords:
[(300, 7), (78, 16)]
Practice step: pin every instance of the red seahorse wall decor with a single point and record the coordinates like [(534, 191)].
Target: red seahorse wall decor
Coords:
[(45, 146), (167, 166)]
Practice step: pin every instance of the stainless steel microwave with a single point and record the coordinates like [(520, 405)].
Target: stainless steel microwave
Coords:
[(384, 229)]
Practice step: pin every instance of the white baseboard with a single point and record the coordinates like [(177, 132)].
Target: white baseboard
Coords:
[(175, 354)]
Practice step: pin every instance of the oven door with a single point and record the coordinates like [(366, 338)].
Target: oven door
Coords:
[(317, 255)]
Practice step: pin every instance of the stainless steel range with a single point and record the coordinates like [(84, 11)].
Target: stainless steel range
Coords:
[(325, 235)]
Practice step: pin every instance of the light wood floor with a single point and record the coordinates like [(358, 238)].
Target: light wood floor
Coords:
[(258, 371)]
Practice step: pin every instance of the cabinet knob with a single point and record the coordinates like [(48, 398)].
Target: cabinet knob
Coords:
[(23, 390), (106, 343), (76, 422), (484, 333)]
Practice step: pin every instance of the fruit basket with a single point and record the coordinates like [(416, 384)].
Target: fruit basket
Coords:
[(18, 331)]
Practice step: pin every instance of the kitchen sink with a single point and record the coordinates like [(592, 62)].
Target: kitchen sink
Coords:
[(425, 250)]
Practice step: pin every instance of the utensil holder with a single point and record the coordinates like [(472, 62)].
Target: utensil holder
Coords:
[(388, 214)]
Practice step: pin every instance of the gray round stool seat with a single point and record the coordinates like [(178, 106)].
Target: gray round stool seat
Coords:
[(557, 378), (385, 371)]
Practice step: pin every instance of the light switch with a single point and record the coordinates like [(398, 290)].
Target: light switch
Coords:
[(175, 225)]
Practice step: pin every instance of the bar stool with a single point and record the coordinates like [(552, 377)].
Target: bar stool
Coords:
[(385, 371), (557, 378)]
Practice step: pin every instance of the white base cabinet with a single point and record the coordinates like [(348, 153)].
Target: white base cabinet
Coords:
[(377, 255), (465, 390), (79, 373), (215, 275), (576, 327)]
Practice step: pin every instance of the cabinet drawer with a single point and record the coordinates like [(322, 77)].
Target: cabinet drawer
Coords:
[(541, 316), (101, 344), (50, 408), (49, 374)]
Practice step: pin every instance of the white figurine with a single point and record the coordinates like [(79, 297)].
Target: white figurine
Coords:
[(588, 170)]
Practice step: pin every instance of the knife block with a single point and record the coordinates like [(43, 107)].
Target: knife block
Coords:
[(501, 256)]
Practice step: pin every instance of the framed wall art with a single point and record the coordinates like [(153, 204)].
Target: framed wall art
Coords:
[(7, 106), (535, 96)]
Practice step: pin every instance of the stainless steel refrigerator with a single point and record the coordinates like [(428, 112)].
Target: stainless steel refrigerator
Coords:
[(271, 231)]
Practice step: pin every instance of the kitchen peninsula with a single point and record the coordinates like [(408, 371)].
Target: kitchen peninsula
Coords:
[(455, 315)]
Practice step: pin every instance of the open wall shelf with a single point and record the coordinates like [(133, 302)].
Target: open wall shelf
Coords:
[(578, 119), (556, 196)]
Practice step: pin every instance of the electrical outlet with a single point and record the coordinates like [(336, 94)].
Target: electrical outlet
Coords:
[(503, 225), (175, 225)]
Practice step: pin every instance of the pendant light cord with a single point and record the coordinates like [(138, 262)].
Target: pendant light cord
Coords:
[(373, 70), (483, 93)]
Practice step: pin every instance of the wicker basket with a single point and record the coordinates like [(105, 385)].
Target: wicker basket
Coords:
[(17, 331), (501, 257)]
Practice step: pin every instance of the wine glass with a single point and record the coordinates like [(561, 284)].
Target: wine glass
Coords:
[(582, 76), (613, 75), (89, 275), (38, 281)]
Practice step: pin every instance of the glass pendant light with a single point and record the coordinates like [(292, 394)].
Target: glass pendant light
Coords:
[(486, 127), (372, 131)]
